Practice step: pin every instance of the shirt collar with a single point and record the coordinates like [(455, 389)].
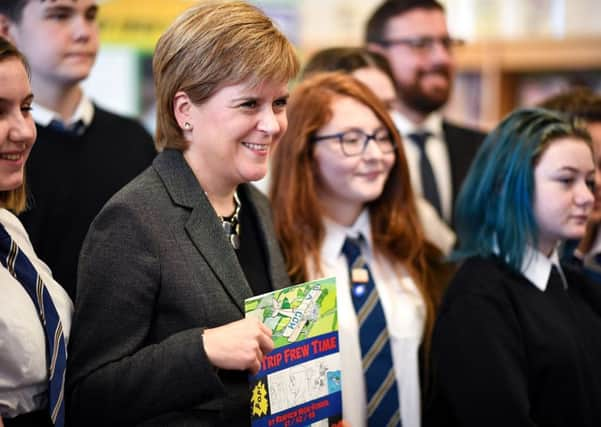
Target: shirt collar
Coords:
[(432, 124), (536, 267), (336, 234), (84, 112)]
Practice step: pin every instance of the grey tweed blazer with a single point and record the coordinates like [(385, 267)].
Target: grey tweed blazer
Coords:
[(155, 269)]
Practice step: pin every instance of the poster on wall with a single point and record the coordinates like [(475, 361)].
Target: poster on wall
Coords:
[(138, 23)]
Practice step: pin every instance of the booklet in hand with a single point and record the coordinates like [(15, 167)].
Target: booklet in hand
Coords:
[(299, 383)]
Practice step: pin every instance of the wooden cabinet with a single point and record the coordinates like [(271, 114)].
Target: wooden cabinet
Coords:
[(490, 73)]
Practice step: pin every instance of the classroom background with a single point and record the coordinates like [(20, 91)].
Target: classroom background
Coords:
[(517, 52)]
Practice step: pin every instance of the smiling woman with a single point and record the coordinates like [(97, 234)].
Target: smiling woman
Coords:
[(167, 264), (341, 177), (31, 391), (224, 156)]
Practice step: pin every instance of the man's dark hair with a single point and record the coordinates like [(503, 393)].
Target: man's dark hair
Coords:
[(376, 25), (13, 9), (579, 102)]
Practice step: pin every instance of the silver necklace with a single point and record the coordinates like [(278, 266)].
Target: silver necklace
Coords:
[(231, 224)]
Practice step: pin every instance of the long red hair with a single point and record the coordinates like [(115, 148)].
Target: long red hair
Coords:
[(396, 230)]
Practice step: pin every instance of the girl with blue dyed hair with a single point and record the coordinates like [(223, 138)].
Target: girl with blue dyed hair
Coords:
[(518, 337)]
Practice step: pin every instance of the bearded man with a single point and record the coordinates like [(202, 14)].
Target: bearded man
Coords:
[(413, 36)]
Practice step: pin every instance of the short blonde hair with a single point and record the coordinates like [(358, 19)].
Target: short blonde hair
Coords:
[(212, 45), (14, 200)]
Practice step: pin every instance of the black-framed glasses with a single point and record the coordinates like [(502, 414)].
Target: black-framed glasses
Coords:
[(353, 142), (424, 44)]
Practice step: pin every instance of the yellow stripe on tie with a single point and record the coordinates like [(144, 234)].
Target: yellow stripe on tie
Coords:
[(380, 393)]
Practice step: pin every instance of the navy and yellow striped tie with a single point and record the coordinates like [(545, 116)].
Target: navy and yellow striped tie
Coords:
[(19, 266), (381, 388)]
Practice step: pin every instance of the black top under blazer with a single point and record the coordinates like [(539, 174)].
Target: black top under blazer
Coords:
[(69, 179), (155, 269)]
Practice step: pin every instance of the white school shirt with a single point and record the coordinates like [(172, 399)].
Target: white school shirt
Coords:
[(23, 368), (404, 310), (536, 267), (437, 153), (84, 112)]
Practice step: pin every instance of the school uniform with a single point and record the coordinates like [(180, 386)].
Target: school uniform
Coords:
[(403, 308), (23, 364), (517, 349), (72, 171)]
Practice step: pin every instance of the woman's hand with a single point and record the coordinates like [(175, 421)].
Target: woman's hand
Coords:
[(1, 422), (238, 345)]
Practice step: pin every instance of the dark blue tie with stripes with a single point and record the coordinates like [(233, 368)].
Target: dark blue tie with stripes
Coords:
[(19, 266), (380, 381)]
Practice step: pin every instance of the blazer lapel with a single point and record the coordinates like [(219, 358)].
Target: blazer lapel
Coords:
[(203, 226), (207, 235)]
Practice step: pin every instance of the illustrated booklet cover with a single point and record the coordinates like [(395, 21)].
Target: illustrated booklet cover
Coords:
[(299, 383)]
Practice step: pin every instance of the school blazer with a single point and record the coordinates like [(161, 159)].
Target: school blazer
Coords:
[(155, 269)]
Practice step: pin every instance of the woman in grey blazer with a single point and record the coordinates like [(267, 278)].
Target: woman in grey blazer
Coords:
[(158, 333)]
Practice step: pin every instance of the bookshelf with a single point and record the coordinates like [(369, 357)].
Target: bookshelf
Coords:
[(494, 77)]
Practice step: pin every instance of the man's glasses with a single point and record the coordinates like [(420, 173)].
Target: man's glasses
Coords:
[(353, 142), (424, 44)]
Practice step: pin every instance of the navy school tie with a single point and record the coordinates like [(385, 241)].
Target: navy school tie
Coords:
[(19, 266), (429, 186), (76, 129), (380, 381)]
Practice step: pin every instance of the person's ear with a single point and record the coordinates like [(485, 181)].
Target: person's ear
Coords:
[(5, 25), (182, 106)]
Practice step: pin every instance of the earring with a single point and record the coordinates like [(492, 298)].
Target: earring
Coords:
[(187, 126)]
